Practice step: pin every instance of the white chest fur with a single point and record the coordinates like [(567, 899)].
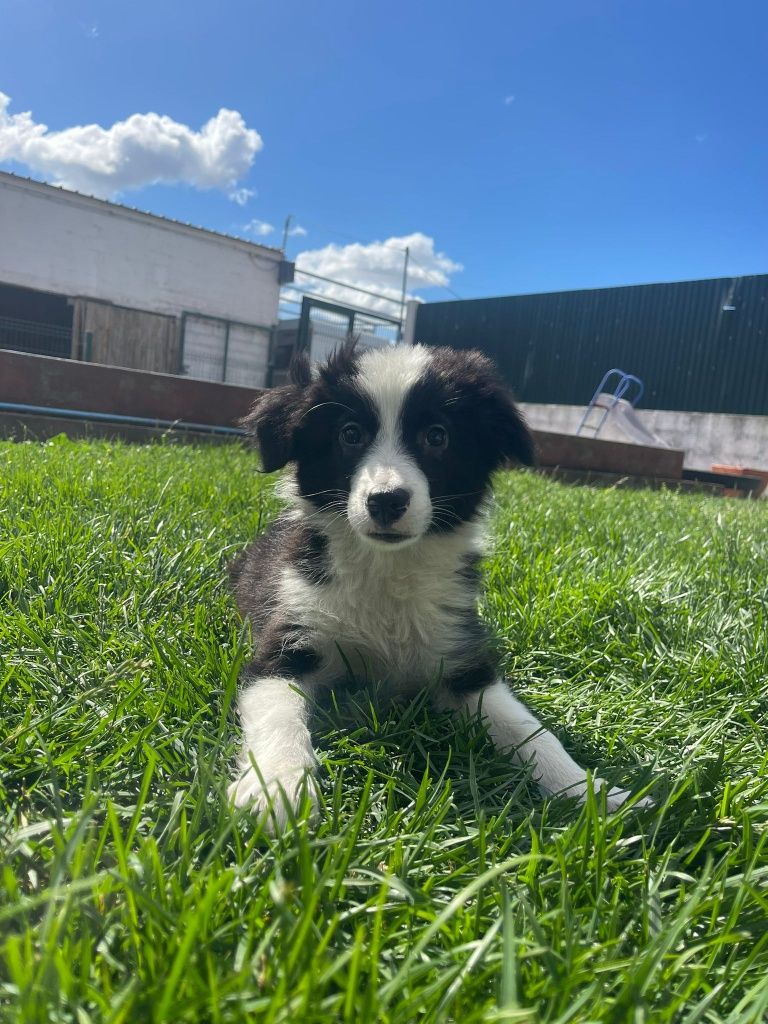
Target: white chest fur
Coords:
[(389, 615)]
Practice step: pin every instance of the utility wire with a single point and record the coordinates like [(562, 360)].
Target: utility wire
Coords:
[(353, 287), (427, 273), (430, 274)]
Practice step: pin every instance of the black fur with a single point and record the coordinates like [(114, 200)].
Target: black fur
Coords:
[(320, 588), (476, 678), (253, 574), (308, 553), (284, 651), (300, 423), (461, 391)]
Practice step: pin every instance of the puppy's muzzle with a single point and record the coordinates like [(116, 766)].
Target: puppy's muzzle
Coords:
[(386, 507)]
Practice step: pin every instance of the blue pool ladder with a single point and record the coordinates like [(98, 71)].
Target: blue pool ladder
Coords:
[(604, 400)]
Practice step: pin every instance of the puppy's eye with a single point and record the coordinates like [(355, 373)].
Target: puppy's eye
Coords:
[(436, 436), (351, 435)]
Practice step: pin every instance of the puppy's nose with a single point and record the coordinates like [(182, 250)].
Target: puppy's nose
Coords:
[(386, 507)]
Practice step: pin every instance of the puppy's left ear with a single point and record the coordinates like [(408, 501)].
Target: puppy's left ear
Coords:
[(509, 430)]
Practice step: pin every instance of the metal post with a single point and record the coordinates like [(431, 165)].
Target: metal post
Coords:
[(303, 340), (404, 295), (269, 376), (286, 228), (226, 352), (182, 337)]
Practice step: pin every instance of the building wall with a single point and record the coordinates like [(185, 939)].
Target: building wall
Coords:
[(58, 241), (706, 438)]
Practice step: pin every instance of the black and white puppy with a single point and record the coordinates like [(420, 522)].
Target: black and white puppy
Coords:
[(373, 570)]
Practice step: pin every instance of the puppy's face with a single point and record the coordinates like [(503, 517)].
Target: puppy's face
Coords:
[(399, 442)]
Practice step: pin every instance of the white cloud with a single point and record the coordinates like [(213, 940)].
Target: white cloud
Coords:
[(378, 267), (298, 232), (509, 100), (241, 195), (145, 149), (258, 227)]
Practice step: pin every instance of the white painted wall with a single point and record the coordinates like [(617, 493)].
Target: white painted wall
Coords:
[(409, 327), (59, 241), (706, 438)]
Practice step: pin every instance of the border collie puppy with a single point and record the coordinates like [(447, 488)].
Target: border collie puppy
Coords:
[(373, 570)]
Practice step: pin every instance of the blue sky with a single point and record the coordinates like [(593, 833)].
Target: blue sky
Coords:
[(539, 145)]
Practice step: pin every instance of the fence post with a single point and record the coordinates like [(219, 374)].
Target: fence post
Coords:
[(404, 295), (226, 352)]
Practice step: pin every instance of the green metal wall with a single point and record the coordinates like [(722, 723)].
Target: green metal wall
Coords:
[(691, 350)]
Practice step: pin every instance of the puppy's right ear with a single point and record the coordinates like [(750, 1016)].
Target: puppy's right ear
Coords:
[(270, 420), (267, 424)]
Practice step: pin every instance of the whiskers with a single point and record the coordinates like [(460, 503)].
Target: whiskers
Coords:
[(444, 514), (329, 512)]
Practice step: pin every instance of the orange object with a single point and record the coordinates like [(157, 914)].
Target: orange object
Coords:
[(760, 474)]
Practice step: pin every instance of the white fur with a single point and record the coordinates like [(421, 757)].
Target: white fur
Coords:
[(386, 376), (513, 727), (388, 612), (277, 747)]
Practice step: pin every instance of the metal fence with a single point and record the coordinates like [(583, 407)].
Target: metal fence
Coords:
[(323, 326), (697, 345), (224, 350), (363, 300), (36, 338)]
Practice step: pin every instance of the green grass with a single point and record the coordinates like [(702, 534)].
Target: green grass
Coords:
[(437, 885)]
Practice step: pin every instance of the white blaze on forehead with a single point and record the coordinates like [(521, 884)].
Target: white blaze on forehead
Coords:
[(386, 375)]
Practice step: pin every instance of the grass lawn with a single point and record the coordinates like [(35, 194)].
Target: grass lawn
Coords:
[(437, 886)]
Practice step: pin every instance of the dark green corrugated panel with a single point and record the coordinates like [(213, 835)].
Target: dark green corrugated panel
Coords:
[(690, 352)]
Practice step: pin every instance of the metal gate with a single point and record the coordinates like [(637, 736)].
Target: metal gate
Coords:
[(224, 350), (321, 327), (324, 325)]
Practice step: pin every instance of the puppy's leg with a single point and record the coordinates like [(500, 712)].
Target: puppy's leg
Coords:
[(512, 726), (276, 739)]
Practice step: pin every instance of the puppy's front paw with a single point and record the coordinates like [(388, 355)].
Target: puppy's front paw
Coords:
[(615, 797), (279, 799)]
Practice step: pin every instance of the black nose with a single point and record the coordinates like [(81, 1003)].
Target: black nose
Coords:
[(386, 507)]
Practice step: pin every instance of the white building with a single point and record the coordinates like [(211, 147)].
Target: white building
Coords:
[(87, 279)]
